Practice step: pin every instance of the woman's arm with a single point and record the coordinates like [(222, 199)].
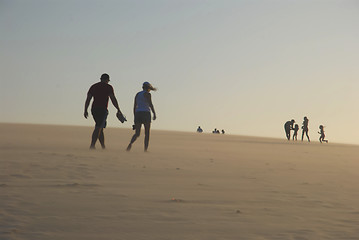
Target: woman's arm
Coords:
[(135, 105), (149, 99)]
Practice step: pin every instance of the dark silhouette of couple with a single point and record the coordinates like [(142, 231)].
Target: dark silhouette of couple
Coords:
[(101, 92)]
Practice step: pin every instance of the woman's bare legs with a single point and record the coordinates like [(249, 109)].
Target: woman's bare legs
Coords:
[(135, 136), (147, 135)]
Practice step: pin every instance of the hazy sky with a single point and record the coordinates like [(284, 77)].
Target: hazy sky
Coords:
[(243, 66)]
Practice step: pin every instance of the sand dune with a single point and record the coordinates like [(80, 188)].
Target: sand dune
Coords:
[(188, 186)]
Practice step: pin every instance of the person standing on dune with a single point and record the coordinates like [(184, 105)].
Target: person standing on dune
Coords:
[(287, 127), (305, 128), (295, 134), (142, 110), (101, 92)]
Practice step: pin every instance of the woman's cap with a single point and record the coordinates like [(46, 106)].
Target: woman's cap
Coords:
[(148, 85)]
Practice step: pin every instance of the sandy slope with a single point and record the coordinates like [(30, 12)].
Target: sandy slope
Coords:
[(189, 186)]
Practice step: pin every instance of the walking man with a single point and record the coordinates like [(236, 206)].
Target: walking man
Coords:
[(100, 92)]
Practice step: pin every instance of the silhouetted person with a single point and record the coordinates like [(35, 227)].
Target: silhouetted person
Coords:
[(223, 132), (199, 129), (295, 134), (142, 110), (305, 128), (322, 135), (100, 91), (287, 127)]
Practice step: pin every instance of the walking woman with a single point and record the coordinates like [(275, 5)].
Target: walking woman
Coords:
[(142, 111)]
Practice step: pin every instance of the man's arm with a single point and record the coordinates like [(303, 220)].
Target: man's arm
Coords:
[(114, 102), (149, 99), (87, 103)]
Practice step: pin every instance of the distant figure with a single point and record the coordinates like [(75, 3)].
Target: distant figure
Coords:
[(100, 91), (216, 131), (142, 111), (223, 132), (199, 129), (322, 135), (305, 128), (287, 127), (295, 134)]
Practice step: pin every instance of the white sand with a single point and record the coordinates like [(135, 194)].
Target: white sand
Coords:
[(189, 186)]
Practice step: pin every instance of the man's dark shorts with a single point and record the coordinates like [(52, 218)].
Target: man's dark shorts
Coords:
[(100, 116), (142, 117)]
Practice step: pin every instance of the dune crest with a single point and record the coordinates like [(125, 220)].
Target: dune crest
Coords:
[(188, 186)]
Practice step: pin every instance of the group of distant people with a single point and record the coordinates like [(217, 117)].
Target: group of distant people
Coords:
[(101, 92), (288, 126), (216, 131)]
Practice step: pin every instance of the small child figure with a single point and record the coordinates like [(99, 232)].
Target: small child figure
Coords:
[(296, 129), (322, 135)]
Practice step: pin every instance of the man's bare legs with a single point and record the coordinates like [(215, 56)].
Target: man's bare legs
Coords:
[(97, 134), (101, 138)]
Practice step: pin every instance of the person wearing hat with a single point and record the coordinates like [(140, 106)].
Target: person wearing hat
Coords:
[(100, 92), (142, 112)]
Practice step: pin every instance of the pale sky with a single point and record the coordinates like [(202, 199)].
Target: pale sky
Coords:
[(243, 66)]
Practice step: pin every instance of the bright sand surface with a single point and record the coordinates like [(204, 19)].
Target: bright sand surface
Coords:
[(188, 186)]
